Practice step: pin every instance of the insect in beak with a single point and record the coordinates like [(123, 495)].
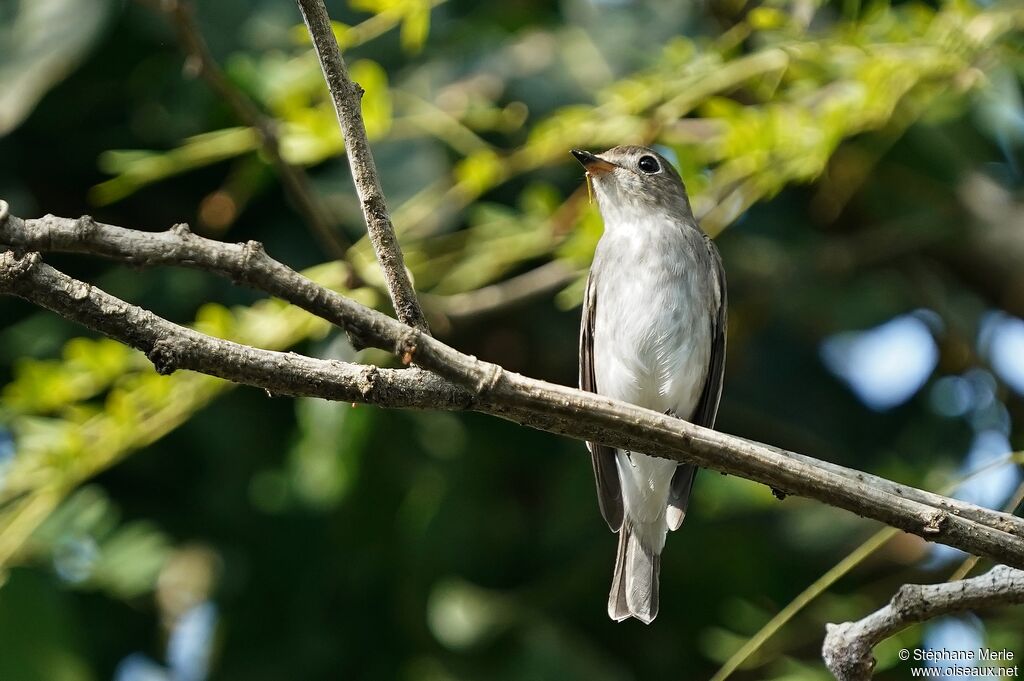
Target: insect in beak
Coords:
[(594, 165)]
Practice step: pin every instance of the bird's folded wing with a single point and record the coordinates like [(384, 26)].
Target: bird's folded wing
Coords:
[(707, 406), (609, 491)]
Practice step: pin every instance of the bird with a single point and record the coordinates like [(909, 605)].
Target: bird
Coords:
[(652, 334)]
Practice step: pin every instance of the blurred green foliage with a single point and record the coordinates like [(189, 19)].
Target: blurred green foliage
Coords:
[(857, 152)]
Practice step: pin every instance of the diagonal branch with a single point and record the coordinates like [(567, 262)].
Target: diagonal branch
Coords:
[(847, 648), (171, 347), (553, 408), (346, 96)]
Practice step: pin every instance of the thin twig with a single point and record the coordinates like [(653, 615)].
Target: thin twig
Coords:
[(538, 404), (504, 294), (346, 96), (296, 182), (848, 646), (483, 302)]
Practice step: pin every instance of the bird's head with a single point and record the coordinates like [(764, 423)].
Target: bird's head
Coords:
[(632, 181)]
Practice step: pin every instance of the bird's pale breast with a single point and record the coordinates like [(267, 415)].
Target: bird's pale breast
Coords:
[(652, 347)]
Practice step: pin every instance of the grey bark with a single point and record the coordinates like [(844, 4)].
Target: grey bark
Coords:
[(171, 347), (847, 649), (346, 96)]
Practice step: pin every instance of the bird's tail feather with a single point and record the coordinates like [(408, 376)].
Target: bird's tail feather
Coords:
[(635, 581)]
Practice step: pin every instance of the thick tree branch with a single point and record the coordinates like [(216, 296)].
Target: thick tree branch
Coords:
[(294, 178), (847, 648), (171, 347), (557, 409), (346, 96)]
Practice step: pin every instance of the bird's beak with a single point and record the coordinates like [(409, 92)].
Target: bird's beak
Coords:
[(595, 165)]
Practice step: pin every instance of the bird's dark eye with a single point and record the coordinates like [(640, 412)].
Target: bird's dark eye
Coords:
[(648, 164)]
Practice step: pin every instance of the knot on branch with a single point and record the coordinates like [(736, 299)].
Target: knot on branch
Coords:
[(408, 345), (13, 267), (180, 230), (85, 228), (375, 208), (251, 250), (934, 522), (78, 290), (490, 375), (164, 357), (367, 381)]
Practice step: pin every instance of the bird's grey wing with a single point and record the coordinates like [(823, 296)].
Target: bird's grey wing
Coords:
[(707, 406), (609, 492)]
